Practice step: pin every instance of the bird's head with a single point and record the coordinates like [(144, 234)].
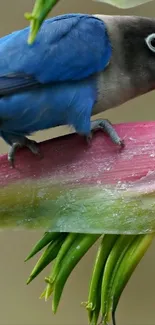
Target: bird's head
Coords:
[(133, 45)]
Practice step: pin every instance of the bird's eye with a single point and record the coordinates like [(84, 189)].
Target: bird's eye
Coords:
[(150, 41)]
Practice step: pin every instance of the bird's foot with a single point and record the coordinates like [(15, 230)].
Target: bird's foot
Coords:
[(24, 142), (107, 127)]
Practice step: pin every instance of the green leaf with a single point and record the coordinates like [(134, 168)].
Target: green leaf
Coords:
[(124, 4)]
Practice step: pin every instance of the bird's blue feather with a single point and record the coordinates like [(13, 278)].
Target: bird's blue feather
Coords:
[(52, 82), (63, 104), (15, 83), (68, 47)]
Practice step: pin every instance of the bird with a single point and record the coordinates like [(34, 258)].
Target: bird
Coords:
[(79, 65)]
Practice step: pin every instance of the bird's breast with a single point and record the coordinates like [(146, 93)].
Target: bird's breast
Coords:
[(114, 88)]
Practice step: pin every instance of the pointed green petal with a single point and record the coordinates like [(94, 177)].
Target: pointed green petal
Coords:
[(45, 240), (48, 256)]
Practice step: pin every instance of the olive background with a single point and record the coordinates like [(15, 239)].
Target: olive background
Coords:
[(20, 304)]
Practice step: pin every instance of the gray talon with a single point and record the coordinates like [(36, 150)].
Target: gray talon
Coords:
[(30, 144), (11, 153), (107, 127), (89, 138)]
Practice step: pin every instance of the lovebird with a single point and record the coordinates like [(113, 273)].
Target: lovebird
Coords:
[(79, 65)]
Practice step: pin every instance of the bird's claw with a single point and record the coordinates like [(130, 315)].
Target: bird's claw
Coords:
[(107, 127), (89, 138), (30, 144)]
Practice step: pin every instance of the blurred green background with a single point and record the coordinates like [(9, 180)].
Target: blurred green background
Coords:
[(20, 304)]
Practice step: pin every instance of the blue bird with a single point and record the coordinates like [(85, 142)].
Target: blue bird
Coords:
[(79, 65)]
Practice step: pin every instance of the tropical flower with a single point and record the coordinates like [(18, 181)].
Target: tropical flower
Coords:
[(79, 194)]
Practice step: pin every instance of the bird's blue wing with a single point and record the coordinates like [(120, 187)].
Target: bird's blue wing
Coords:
[(68, 47), (16, 82)]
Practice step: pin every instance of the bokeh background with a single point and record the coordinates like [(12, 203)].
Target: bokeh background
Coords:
[(20, 304)]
